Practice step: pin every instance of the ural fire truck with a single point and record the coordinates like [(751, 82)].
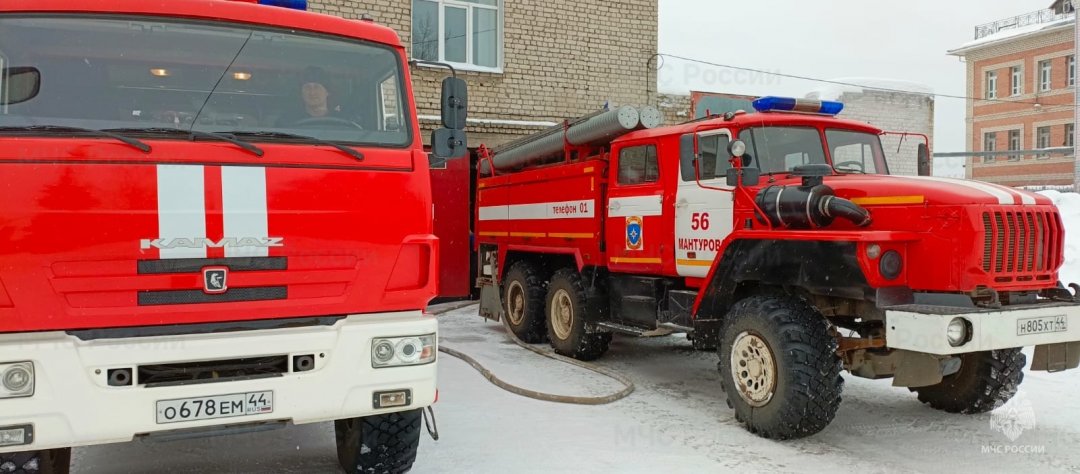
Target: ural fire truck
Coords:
[(199, 235), (780, 239)]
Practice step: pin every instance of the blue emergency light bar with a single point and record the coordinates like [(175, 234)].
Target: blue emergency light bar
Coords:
[(294, 4), (789, 104)]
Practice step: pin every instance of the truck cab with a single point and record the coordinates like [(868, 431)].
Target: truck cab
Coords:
[(198, 235)]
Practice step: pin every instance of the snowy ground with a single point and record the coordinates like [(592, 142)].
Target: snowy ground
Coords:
[(676, 421)]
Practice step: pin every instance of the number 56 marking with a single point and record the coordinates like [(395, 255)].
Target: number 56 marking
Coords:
[(699, 221)]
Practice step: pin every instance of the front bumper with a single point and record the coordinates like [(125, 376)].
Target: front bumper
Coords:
[(73, 405), (923, 328)]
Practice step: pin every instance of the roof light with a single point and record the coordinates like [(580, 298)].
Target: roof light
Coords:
[(789, 104), (294, 4)]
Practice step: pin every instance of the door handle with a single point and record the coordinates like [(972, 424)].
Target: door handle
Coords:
[(682, 204), (614, 206)]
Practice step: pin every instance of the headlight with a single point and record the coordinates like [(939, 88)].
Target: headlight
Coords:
[(958, 332), (890, 265), (402, 351), (16, 380)]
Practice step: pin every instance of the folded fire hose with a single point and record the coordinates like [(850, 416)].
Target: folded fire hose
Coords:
[(628, 385)]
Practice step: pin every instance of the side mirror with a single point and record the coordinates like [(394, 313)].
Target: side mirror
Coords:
[(19, 84), (750, 176), (447, 143), (455, 103), (924, 160)]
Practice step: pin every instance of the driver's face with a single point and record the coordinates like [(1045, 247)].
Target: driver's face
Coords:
[(314, 94)]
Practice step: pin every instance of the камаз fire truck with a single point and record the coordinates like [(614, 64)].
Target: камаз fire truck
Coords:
[(199, 234), (779, 238)]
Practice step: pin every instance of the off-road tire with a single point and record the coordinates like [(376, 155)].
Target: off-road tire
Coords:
[(577, 342), (986, 380), (807, 387), (52, 461), (380, 443), (531, 327)]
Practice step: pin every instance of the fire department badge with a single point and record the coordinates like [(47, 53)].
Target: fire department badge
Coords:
[(634, 229)]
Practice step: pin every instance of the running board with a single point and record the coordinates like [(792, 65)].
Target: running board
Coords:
[(634, 331)]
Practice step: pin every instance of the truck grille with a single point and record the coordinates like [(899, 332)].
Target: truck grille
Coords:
[(1018, 245)]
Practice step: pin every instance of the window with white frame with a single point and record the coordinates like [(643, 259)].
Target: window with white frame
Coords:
[(1070, 136), (1044, 75), (1017, 83), (1071, 61), (991, 85), (462, 32), (1042, 140), (1014, 144), (989, 144)]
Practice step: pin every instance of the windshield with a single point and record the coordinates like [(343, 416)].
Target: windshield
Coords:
[(99, 73), (781, 149), (856, 152)]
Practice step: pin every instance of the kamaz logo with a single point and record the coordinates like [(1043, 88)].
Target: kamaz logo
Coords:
[(203, 242)]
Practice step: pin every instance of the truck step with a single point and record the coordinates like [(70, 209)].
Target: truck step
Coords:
[(634, 331)]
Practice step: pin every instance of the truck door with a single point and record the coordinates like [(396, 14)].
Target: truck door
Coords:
[(636, 232), (703, 217)]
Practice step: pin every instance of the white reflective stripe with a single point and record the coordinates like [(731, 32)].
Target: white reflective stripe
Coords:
[(243, 204), (1003, 196), (494, 213), (540, 211), (651, 205), (1025, 198), (181, 208)]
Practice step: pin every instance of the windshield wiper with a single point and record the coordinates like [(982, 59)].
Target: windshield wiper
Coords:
[(303, 138), (143, 147), (193, 134)]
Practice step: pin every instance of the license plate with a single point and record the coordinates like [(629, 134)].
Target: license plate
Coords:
[(1048, 324), (219, 406)]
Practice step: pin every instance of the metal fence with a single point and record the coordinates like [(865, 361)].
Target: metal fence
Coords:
[(1046, 15)]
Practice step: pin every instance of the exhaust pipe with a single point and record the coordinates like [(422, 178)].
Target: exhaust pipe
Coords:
[(810, 205)]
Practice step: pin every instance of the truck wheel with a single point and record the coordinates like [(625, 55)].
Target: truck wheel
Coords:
[(379, 443), (986, 380), (52, 461), (523, 292), (779, 368), (566, 326)]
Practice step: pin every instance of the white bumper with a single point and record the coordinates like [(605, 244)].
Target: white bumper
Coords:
[(924, 329), (73, 404)]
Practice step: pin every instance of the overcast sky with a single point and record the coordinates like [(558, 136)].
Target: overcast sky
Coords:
[(904, 40)]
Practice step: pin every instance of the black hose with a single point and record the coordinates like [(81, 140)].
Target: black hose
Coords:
[(840, 207)]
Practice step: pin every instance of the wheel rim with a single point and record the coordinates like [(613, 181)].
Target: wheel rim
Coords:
[(515, 303), (753, 368), (562, 314)]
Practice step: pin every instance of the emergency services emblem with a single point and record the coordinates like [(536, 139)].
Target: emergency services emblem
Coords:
[(215, 280), (634, 229)]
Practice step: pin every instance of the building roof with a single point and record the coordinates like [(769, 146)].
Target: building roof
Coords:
[(1056, 18), (858, 85)]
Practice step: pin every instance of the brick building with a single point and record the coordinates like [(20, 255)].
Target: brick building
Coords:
[(1022, 73), (529, 64)]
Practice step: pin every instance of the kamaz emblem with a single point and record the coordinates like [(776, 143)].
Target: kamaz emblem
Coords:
[(203, 242)]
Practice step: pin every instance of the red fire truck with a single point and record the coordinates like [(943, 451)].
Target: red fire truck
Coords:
[(780, 239), (199, 231)]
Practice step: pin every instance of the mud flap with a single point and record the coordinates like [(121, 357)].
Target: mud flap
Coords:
[(491, 306), (1056, 357), (918, 369)]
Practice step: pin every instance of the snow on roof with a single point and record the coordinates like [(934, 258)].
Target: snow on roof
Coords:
[(1009, 34), (857, 85)]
